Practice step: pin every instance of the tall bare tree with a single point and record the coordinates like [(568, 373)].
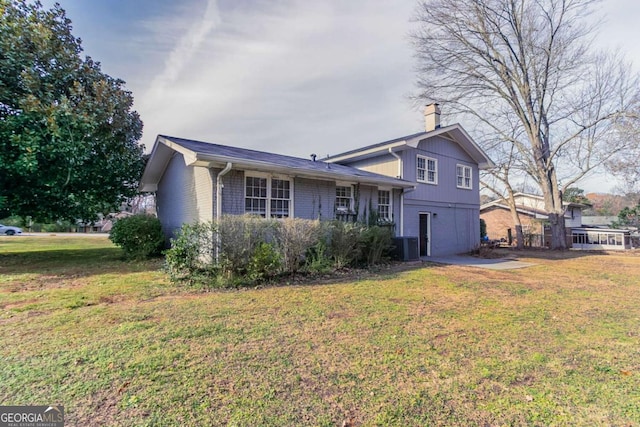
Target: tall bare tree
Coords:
[(626, 166), (526, 71)]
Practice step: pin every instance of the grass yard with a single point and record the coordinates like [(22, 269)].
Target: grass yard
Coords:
[(553, 344)]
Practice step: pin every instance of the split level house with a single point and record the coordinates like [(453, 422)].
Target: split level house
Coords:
[(424, 184)]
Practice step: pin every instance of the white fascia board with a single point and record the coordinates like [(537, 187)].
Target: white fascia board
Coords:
[(157, 163), (190, 157)]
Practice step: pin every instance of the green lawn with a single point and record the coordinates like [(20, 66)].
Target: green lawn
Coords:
[(116, 344)]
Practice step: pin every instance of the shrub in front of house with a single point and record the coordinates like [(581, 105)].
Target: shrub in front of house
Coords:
[(375, 244), (253, 249), (239, 237), (191, 259), (343, 242), (294, 237), (266, 263), (139, 236)]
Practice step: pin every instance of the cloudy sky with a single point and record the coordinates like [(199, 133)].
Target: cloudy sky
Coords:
[(288, 76)]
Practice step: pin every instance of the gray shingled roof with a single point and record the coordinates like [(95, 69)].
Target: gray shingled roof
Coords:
[(379, 144), (282, 161)]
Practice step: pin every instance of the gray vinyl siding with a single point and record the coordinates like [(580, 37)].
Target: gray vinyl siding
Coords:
[(448, 155), (314, 199), (455, 228), (232, 192), (175, 198), (455, 219), (187, 194)]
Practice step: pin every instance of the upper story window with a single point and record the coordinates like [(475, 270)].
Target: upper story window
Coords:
[(384, 205), (272, 195), (427, 170), (344, 198), (463, 175)]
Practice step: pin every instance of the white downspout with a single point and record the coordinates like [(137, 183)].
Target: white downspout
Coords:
[(401, 191), (219, 186)]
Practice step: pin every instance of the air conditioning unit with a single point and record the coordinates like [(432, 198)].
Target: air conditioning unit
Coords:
[(406, 249)]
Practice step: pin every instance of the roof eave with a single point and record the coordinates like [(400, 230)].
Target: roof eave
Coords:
[(208, 160), (365, 153)]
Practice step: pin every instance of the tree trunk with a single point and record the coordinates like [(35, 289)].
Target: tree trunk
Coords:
[(558, 231), (518, 226), (554, 207), (515, 217)]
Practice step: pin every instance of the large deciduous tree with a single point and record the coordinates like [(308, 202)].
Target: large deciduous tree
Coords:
[(526, 71), (68, 137)]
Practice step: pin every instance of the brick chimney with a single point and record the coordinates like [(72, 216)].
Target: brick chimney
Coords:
[(431, 117)]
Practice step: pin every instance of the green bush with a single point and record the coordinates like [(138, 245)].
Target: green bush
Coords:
[(265, 263), (344, 242), (375, 244), (14, 221), (317, 259), (191, 258), (58, 227), (139, 236), (483, 229)]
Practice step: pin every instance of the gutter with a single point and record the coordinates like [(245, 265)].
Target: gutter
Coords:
[(401, 191), (219, 186)]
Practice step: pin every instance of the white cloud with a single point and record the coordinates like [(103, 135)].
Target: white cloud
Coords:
[(188, 45), (294, 77)]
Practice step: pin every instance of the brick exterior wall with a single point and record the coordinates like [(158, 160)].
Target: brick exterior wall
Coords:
[(499, 221)]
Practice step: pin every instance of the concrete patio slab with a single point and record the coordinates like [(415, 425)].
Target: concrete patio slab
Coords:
[(491, 264)]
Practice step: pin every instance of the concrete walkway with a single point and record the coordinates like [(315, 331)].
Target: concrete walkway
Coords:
[(470, 261)]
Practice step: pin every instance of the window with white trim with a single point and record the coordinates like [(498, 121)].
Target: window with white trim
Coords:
[(344, 198), (463, 174), (272, 195), (280, 198), (427, 169), (255, 201), (384, 205)]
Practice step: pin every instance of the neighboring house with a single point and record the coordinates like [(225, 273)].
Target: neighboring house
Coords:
[(533, 218), (599, 221), (596, 234), (601, 239), (425, 183), (103, 224)]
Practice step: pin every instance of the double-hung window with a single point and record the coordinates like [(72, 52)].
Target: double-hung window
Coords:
[(344, 199), (463, 175), (427, 170), (267, 196), (384, 205), (280, 198), (255, 201)]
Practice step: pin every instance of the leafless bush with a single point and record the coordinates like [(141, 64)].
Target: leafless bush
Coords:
[(294, 237), (239, 237)]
